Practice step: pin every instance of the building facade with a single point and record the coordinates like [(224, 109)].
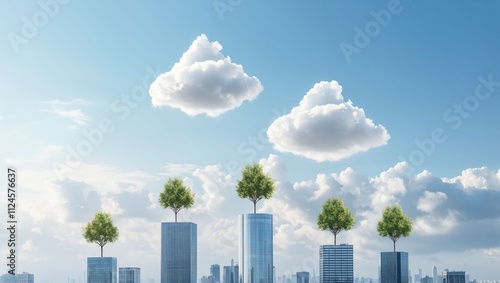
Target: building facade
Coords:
[(101, 270), (129, 275), (230, 274), (427, 279), (178, 252), (25, 277), (215, 272), (336, 264), (302, 277), (394, 267), (454, 277), (256, 248)]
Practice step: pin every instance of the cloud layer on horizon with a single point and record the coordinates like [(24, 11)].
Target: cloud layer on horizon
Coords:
[(325, 127), (204, 81)]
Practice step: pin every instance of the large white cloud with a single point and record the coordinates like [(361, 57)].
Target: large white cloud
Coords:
[(326, 127), (204, 81)]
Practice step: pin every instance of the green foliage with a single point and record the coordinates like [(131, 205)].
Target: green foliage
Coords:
[(176, 196), (335, 217), (101, 230), (394, 224), (255, 184)]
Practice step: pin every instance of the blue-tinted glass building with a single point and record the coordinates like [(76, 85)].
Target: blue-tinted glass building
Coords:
[(302, 277), (394, 267), (178, 252), (230, 274), (215, 272), (129, 275), (25, 277), (101, 270), (454, 277), (336, 264), (256, 248)]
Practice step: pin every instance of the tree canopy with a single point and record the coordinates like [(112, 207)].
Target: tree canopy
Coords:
[(101, 230), (394, 224), (176, 196), (255, 184), (335, 217)]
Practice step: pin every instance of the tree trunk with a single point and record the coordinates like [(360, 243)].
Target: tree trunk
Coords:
[(254, 207), (394, 242), (176, 217), (101, 250), (335, 239)]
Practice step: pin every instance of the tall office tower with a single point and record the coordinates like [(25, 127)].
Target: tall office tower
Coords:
[(178, 252), (336, 264), (25, 277), (215, 272), (129, 275), (101, 270), (454, 277), (230, 273), (303, 277), (394, 267), (435, 274), (256, 248)]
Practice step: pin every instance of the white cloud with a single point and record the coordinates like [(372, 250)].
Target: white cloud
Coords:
[(173, 169), (214, 185), (429, 225), (478, 178), (67, 109), (324, 127), (204, 81), (430, 201)]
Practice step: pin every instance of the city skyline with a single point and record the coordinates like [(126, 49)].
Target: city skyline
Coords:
[(377, 102)]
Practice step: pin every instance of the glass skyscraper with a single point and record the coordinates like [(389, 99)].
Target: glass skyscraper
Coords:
[(129, 275), (230, 274), (178, 252), (256, 248), (303, 277), (394, 267), (215, 272), (454, 277), (101, 270), (336, 264)]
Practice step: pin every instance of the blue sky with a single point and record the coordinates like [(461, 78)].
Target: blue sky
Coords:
[(411, 87)]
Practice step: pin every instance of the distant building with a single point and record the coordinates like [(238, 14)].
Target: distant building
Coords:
[(101, 270), (178, 252), (8, 278), (25, 277), (336, 264), (215, 272), (129, 275), (454, 277), (435, 274), (303, 277), (208, 279), (394, 267), (256, 248), (230, 273), (427, 279)]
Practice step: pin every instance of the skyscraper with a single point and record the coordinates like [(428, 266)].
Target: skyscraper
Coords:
[(435, 274), (129, 275), (336, 264), (454, 277), (256, 248), (303, 277), (25, 277), (101, 270), (230, 273), (178, 252), (394, 267), (427, 279), (215, 272)]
